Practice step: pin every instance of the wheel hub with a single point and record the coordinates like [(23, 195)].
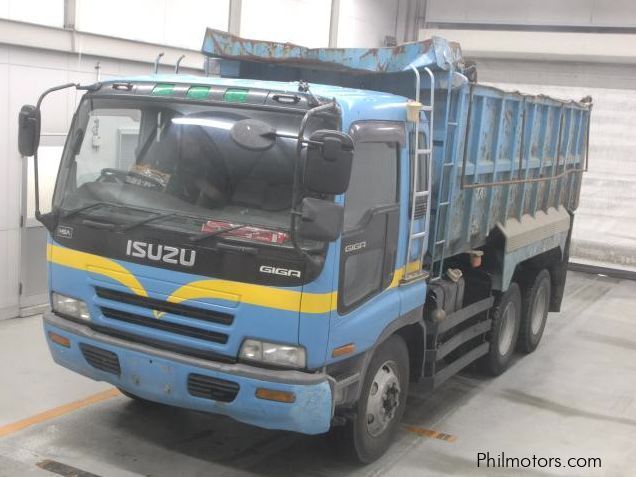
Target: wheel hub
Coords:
[(383, 400)]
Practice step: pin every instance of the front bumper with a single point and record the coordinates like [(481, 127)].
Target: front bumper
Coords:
[(162, 376)]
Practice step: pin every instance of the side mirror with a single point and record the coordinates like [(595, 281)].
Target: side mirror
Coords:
[(28, 130), (328, 162), (320, 220)]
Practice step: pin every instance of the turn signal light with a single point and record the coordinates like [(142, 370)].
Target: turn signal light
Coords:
[(273, 395), (343, 350), (59, 339)]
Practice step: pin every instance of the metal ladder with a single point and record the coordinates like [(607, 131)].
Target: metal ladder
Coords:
[(420, 192), (446, 180)]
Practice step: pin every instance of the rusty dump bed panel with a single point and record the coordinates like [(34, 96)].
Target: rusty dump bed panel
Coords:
[(435, 51), (497, 156)]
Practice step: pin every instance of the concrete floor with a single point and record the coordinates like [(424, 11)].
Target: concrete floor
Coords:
[(574, 397)]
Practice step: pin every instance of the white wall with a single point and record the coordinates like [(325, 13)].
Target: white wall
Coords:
[(33, 58), (605, 223), (361, 23), (179, 23), (597, 13), (567, 64), (10, 200), (304, 22), (24, 74), (556, 46), (43, 12), (182, 23), (365, 23)]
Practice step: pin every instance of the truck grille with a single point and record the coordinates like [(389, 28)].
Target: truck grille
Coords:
[(215, 389), (163, 325), (164, 306), (163, 345), (101, 359)]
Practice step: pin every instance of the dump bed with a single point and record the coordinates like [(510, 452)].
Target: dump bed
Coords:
[(502, 156), (502, 162)]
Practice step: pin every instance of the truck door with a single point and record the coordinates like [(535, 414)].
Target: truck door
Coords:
[(369, 243)]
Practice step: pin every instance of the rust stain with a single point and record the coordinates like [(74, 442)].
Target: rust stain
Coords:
[(370, 52), (430, 433), (228, 46)]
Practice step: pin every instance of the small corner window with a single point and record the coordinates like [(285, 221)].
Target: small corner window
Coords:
[(373, 180)]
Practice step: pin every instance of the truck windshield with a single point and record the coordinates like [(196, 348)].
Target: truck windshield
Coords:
[(191, 167)]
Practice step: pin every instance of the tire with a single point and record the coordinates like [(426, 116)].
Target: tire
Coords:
[(368, 435), (506, 319), (535, 304)]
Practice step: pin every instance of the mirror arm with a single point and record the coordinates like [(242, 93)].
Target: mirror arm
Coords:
[(45, 218), (51, 90), (300, 140)]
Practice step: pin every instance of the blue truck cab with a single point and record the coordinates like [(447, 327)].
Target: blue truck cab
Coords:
[(296, 243)]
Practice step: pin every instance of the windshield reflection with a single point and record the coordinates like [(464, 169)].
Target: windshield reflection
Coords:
[(182, 166)]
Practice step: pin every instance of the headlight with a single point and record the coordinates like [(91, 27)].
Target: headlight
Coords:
[(273, 353), (71, 307)]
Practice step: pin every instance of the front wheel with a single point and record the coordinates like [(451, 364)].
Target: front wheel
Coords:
[(381, 405)]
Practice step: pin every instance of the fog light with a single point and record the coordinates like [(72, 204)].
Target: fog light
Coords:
[(68, 306)]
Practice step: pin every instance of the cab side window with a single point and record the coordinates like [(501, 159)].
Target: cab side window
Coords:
[(370, 223), (373, 180)]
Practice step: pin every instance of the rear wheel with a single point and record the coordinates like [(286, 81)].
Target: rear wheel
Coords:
[(381, 405), (534, 307), (506, 318)]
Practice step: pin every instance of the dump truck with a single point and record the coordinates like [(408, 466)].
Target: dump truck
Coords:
[(309, 237)]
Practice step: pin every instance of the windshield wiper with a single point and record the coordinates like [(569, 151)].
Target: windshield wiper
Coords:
[(206, 235), (147, 220), (195, 238), (70, 213), (110, 225)]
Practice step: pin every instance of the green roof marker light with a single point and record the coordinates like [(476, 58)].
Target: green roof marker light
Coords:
[(198, 92), (163, 89), (233, 95)]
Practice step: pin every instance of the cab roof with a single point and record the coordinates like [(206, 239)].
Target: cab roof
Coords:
[(386, 105)]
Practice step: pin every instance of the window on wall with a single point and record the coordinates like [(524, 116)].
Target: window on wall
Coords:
[(110, 141), (373, 180), (179, 23), (42, 12), (304, 22)]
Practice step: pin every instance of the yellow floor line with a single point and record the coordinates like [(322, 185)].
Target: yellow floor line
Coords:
[(57, 412), (431, 433)]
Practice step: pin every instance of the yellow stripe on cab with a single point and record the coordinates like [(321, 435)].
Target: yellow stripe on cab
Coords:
[(259, 295)]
